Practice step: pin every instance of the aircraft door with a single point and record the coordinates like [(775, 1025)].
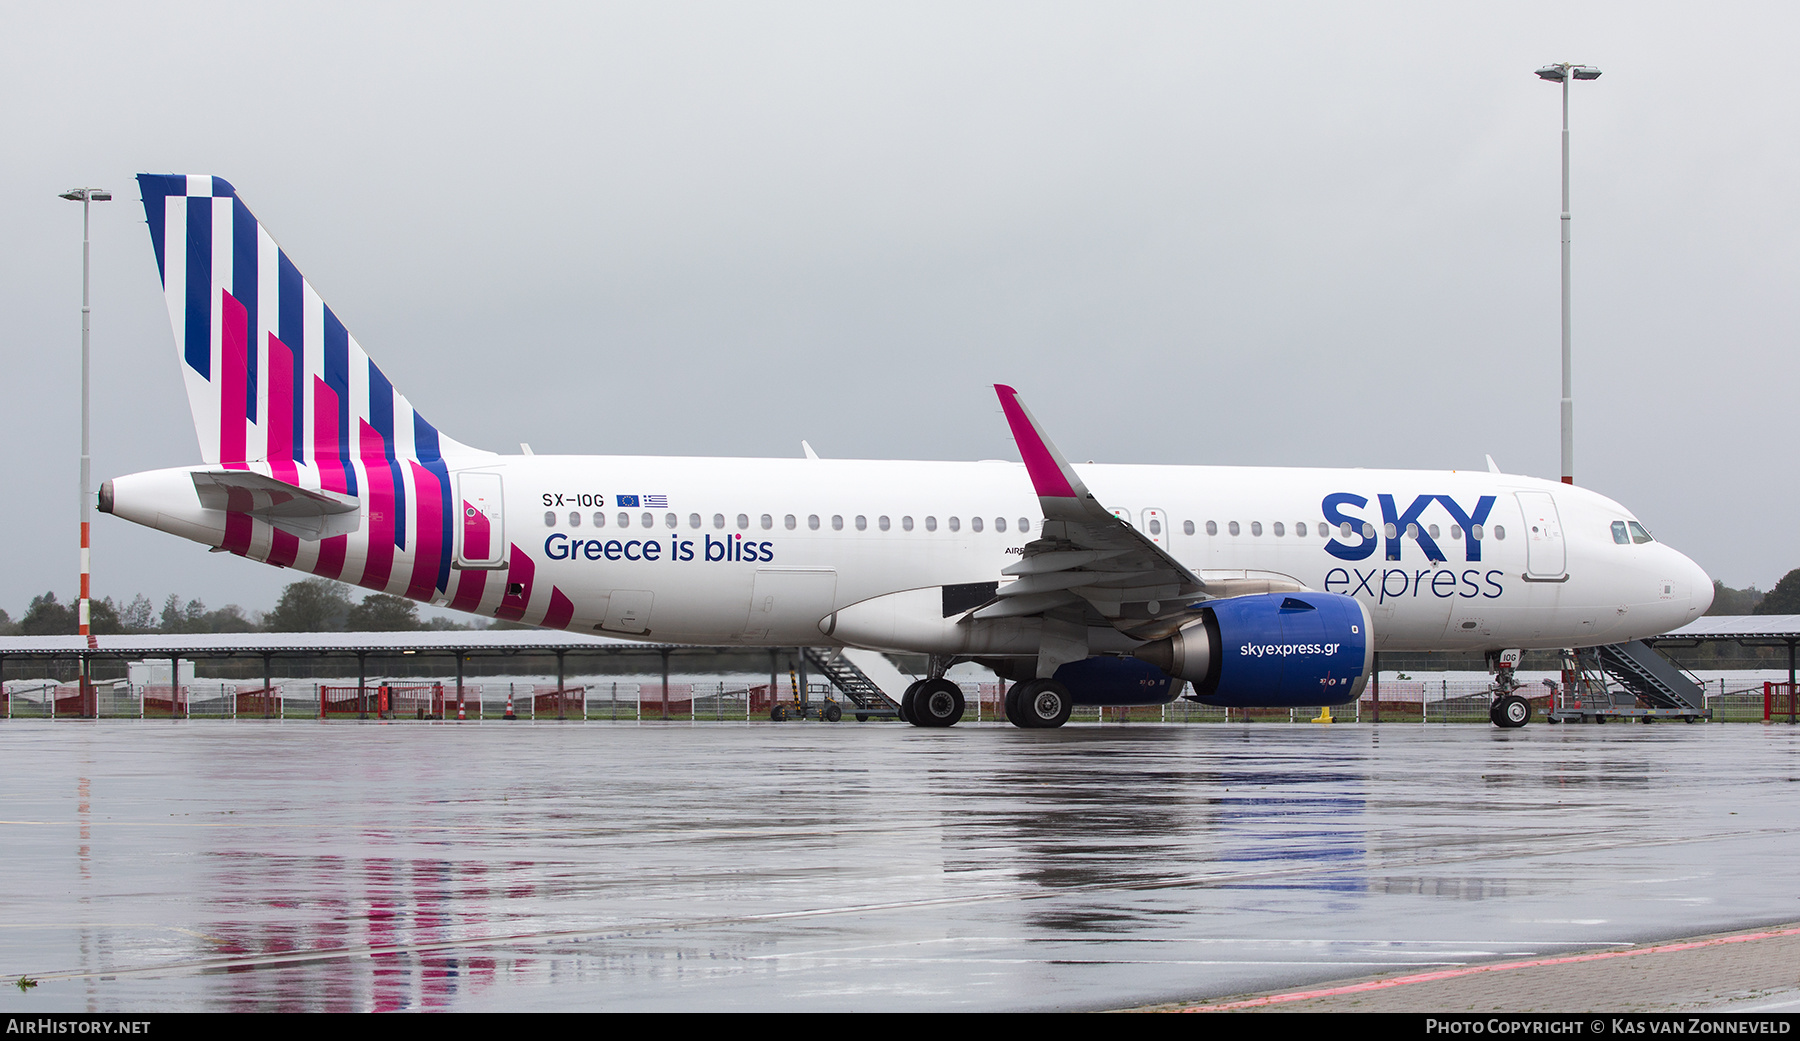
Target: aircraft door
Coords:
[(481, 527), (1156, 527), (1545, 554)]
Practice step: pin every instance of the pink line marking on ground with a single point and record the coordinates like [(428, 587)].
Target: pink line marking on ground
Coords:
[(1474, 970)]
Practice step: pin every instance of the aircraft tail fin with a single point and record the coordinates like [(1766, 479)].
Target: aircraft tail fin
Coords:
[(272, 375)]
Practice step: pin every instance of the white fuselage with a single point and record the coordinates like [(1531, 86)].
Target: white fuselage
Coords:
[(730, 553)]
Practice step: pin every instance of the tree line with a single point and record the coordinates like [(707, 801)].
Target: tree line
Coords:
[(313, 605)]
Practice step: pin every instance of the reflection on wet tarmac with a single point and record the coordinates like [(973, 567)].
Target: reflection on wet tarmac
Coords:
[(349, 867)]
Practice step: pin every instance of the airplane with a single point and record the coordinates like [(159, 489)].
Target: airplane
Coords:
[(1084, 585)]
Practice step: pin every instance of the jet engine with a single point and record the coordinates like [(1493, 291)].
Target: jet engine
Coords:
[(1271, 650)]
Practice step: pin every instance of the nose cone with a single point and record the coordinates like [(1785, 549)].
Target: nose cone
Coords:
[(1702, 586)]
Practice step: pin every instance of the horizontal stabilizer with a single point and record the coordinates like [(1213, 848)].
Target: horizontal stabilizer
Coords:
[(308, 514)]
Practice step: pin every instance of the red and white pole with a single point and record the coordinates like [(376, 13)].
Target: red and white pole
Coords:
[(85, 196)]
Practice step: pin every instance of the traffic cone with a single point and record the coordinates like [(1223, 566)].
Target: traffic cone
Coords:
[(509, 711)]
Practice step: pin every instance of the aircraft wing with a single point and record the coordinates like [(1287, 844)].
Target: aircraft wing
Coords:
[(1086, 557)]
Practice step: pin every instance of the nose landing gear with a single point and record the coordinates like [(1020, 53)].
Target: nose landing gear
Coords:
[(1509, 710)]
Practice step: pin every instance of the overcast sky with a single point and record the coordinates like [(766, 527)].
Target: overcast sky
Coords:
[(1258, 234)]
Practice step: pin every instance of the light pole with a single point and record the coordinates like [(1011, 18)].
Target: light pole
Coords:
[(85, 196), (1562, 73)]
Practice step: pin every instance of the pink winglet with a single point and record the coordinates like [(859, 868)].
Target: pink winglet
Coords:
[(1040, 460)]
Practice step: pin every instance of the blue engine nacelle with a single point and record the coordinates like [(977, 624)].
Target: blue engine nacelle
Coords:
[(1271, 650)]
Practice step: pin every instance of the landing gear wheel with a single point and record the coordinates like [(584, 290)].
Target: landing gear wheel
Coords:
[(1043, 704), (937, 703), (1011, 705), (1511, 712), (832, 712), (906, 701)]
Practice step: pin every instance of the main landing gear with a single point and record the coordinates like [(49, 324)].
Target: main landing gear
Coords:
[(932, 703), (1038, 704), (1031, 704)]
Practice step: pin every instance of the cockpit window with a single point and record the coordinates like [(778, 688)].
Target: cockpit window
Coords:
[(1620, 535), (1639, 535)]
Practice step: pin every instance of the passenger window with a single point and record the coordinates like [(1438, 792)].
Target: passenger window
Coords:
[(1256, 528), (1232, 527), (931, 524), (882, 522), (906, 523), (788, 522), (812, 521), (1432, 530), (1212, 527), (1620, 534), (1368, 530), (862, 523), (955, 525), (1456, 532), (1475, 532), (1412, 531), (599, 520), (1499, 533), (1024, 524), (718, 520), (999, 523), (574, 520), (649, 521), (693, 520), (1344, 529), (670, 520), (1155, 526), (1639, 534), (743, 521), (1300, 528), (1278, 529), (974, 523), (767, 522), (837, 522), (549, 518)]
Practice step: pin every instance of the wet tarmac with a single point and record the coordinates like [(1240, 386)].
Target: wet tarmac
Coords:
[(347, 867)]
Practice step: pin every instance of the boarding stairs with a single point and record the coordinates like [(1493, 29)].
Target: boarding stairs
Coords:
[(1644, 685), (852, 682)]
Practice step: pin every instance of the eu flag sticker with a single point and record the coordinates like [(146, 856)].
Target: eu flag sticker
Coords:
[(625, 501)]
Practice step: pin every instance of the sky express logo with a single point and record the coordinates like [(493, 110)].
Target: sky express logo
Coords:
[(1384, 584), (1397, 526)]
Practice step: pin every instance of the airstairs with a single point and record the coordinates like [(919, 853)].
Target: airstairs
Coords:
[(852, 682), (1629, 681)]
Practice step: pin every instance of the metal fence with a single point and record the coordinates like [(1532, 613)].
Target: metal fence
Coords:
[(1412, 700)]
